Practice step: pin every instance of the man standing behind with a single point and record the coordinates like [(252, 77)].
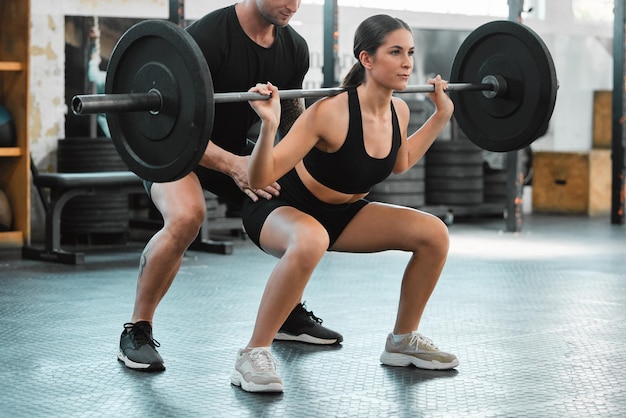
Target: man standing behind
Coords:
[(244, 44)]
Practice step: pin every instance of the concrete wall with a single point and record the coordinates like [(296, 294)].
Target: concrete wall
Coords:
[(582, 55)]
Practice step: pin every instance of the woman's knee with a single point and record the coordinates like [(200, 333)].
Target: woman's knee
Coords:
[(308, 244), (289, 231), (442, 237), (432, 235)]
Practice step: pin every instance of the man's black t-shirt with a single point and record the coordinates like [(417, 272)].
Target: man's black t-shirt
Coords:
[(238, 63)]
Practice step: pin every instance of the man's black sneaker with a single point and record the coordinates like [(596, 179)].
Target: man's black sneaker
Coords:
[(303, 326), (138, 348)]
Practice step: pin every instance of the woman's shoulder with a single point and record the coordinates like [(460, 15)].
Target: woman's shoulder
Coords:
[(331, 103), (401, 107), (399, 103), (327, 114)]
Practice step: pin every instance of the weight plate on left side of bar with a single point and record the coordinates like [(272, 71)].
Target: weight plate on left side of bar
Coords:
[(165, 145)]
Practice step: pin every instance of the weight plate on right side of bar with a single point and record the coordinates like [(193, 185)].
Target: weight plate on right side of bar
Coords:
[(159, 55), (514, 120)]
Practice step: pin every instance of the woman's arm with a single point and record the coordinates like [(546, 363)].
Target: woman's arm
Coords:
[(268, 162), (417, 143)]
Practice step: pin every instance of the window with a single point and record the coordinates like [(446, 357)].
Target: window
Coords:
[(593, 11)]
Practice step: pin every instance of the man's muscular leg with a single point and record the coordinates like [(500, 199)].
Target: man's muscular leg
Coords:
[(182, 205)]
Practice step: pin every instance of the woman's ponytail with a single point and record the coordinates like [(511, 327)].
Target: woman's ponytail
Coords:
[(355, 76)]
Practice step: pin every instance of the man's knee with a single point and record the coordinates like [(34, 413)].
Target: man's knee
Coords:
[(184, 221)]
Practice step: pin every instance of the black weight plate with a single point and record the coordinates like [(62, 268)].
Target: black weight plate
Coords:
[(157, 74), (514, 120), (413, 200), (450, 184), (467, 197), (399, 186), (166, 145), (454, 170)]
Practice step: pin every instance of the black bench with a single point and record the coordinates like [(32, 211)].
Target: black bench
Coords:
[(65, 186)]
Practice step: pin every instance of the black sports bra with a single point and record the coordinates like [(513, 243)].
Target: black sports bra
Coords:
[(351, 169)]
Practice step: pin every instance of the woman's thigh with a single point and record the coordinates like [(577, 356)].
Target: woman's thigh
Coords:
[(381, 226), (287, 227)]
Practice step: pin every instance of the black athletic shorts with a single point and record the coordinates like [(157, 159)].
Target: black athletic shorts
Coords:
[(294, 193)]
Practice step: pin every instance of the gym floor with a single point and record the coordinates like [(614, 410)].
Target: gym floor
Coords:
[(536, 319)]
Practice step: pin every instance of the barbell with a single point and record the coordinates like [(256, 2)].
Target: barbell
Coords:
[(159, 96)]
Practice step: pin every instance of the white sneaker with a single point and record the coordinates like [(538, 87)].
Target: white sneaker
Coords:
[(417, 350), (255, 371)]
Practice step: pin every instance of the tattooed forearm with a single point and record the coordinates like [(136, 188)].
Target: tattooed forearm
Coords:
[(290, 110)]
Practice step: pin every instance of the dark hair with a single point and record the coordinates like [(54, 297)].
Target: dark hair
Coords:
[(370, 34)]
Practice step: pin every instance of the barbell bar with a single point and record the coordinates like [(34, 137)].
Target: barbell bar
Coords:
[(152, 101), (160, 102)]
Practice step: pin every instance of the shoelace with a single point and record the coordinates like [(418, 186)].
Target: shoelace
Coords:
[(263, 359), (417, 338), (141, 336), (310, 314)]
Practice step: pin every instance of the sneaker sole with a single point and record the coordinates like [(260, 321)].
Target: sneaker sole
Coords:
[(152, 367), (306, 338), (236, 379), (403, 360)]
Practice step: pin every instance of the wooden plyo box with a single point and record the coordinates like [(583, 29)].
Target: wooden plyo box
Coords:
[(602, 102), (572, 182)]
